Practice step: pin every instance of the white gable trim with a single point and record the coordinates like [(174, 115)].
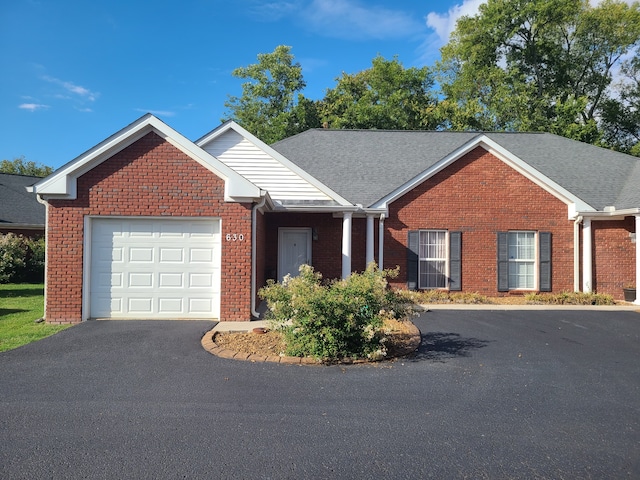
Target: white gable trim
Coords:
[(63, 182), (231, 125), (573, 202)]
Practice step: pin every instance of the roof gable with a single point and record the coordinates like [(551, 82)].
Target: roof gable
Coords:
[(285, 181), (373, 167), (63, 182)]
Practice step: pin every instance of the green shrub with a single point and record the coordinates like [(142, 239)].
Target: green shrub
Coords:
[(341, 319), (21, 259), (569, 298)]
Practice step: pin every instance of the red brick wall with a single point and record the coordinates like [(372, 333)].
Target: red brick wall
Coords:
[(149, 178), (614, 255), (480, 195)]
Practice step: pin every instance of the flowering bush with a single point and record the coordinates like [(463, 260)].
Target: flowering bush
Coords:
[(21, 259), (343, 318)]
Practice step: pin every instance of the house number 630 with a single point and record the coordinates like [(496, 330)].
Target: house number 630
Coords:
[(235, 237)]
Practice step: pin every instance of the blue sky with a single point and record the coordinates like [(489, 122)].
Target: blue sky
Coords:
[(76, 71)]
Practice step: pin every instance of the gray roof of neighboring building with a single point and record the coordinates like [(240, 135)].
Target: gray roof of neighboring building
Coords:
[(365, 165), (17, 206)]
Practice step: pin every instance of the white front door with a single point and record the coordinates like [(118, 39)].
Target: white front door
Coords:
[(294, 249)]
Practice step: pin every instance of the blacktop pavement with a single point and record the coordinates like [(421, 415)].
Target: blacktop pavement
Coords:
[(496, 394)]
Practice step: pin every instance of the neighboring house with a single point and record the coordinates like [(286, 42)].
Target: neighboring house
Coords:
[(20, 211), (148, 224)]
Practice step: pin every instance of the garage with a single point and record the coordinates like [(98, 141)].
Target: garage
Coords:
[(154, 268)]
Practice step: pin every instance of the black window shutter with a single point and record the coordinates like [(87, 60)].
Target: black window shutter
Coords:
[(413, 247), (455, 261), (503, 262), (544, 238)]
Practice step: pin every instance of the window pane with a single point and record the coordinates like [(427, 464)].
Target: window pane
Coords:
[(522, 254), (432, 274), (433, 258)]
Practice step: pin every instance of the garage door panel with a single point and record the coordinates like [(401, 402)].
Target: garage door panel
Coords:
[(171, 280), (137, 305), (171, 305), (155, 268), (201, 255), (141, 254), (141, 280), (200, 280), (200, 305), (171, 255)]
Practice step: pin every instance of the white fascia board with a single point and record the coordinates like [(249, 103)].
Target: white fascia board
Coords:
[(574, 203), (608, 214), (62, 183), (231, 125)]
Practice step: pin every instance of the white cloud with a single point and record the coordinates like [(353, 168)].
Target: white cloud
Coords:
[(355, 20), (71, 87), (32, 107), (158, 113), (444, 23)]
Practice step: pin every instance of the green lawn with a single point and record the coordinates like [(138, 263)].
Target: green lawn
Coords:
[(20, 305)]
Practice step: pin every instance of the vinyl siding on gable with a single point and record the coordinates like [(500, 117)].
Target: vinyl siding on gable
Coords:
[(261, 169)]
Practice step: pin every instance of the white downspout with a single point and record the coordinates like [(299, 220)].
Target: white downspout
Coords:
[(587, 254), (254, 235), (637, 300), (46, 248), (576, 254), (346, 244), (381, 242), (369, 255)]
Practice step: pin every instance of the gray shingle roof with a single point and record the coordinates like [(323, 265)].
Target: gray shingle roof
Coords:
[(365, 165), (16, 204)]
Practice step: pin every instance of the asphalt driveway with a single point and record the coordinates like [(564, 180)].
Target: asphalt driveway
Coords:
[(490, 394)]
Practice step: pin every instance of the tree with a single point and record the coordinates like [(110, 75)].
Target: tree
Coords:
[(269, 107), (20, 166), (386, 96), (536, 65), (621, 117)]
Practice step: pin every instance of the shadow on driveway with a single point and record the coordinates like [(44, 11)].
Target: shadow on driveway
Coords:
[(440, 347)]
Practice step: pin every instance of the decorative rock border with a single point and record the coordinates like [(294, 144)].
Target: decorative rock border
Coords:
[(209, 344)]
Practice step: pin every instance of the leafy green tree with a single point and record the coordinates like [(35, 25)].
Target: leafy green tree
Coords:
[(386, 96), (536, 65), (20, 166), (271, 106), (621, 117)]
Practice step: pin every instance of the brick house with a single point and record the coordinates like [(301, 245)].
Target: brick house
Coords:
[(148, 224)]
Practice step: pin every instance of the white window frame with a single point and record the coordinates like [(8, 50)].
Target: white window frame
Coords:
[(444, 259), (534, 261)]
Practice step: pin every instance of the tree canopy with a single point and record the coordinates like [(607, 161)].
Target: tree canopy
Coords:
[(542, 65), (559, 66), (270, 106), (21, 166), (386, 96)]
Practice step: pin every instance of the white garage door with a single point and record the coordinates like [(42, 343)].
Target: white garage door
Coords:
[(155, 268)]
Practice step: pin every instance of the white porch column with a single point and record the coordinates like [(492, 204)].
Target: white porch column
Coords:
[(369, 256), (381, 242), (346, 245), (637, 300), (587, 254)]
